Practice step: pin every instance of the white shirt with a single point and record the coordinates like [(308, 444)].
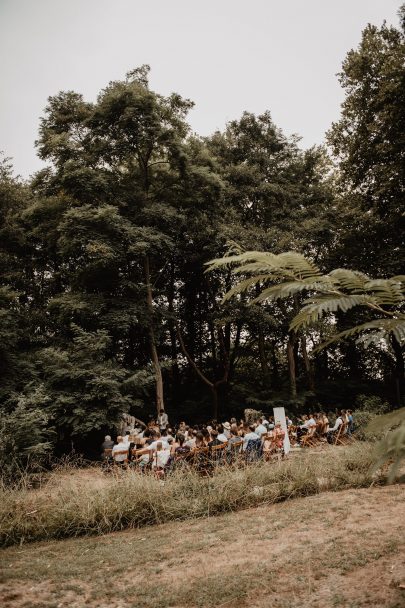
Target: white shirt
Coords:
[(260, 429), (119, 448), (160, 459), (163, 420), (337, 424), (248, 437), (153, 445), (308, 424), (222, 437)]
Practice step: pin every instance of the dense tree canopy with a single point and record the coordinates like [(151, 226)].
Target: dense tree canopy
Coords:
[(105, 303)]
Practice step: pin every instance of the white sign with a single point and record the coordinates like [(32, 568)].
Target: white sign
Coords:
[(279, 416)]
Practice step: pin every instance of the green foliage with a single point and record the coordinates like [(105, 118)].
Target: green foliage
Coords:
[(391, 448), (26, 438), (83, 384), (340, 290)]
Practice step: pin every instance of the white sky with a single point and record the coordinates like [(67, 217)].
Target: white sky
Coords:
[(226, 55)]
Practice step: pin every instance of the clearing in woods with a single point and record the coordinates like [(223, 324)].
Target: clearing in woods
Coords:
[(332, 549)]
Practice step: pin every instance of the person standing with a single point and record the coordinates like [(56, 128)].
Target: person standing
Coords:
[(163, 420)]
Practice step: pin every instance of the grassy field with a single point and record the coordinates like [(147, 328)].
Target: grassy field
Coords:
[(74, 502), (332, 549)]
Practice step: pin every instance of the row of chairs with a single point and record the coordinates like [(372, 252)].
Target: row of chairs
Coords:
[(204, 458), (318, 434)]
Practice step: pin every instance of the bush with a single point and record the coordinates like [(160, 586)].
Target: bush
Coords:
[(367, 408), (25, 440)]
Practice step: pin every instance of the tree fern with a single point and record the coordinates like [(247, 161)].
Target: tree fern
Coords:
[(287, 274)]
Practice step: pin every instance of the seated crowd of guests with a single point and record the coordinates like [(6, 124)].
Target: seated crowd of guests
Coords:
[(317, 426), (160, 446)]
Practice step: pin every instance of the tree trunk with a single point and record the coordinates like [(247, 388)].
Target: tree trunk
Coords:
[(152, 342), (291, 365), (307, 364), (399, 370), (263, 359)]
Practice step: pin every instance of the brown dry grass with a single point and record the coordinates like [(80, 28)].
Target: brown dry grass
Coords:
[(333, 549), (76, 502)]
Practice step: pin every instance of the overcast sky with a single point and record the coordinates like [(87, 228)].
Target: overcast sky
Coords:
[(226, 55)]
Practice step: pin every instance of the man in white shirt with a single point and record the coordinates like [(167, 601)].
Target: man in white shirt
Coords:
[(121, 448), (161, 440), (160, 457), (334, 429), (163, 420)]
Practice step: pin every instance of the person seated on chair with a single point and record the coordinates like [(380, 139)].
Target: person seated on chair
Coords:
[(200, 440), (156, 439), (120, 447), (335, 429), (308, 424), (227, 430), (126, 437), (191, 441), (214, 439), (234, 438), (260, 429), (221, 434), (279, 435), (181, 449), (350, 423), (107, 444), (269, 444), (160, 457), (251, 435)]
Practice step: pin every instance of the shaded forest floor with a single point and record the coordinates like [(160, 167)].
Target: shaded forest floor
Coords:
[(334, 549)]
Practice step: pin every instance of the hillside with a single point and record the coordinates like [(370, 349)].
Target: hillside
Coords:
[(332, 549)]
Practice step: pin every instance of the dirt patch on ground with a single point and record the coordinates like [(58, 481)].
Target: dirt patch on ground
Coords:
[(332, 549)]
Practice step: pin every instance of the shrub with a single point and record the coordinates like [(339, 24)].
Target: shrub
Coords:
[(25, 440)]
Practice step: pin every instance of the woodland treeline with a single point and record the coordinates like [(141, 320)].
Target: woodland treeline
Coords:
[(106, 305)]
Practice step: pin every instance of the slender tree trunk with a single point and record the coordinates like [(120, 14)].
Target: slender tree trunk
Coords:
[(291, 365), (399, 371), (274, 365), (307, 364), (152, 341), (263, 358)]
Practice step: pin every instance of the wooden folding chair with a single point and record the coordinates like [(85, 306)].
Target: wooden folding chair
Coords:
[(107, 454), (216, 453), (199, 459), (235, 451), (309, 440), (340, 437)]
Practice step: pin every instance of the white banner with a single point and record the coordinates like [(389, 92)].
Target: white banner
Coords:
[(279, 416)]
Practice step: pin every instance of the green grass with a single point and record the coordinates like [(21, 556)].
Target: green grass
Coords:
[(76, 502)]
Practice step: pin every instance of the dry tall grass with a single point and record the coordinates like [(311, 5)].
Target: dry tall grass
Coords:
[(77, 502)]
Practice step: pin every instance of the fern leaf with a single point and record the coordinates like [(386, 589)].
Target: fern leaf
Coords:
[(386, 326)]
